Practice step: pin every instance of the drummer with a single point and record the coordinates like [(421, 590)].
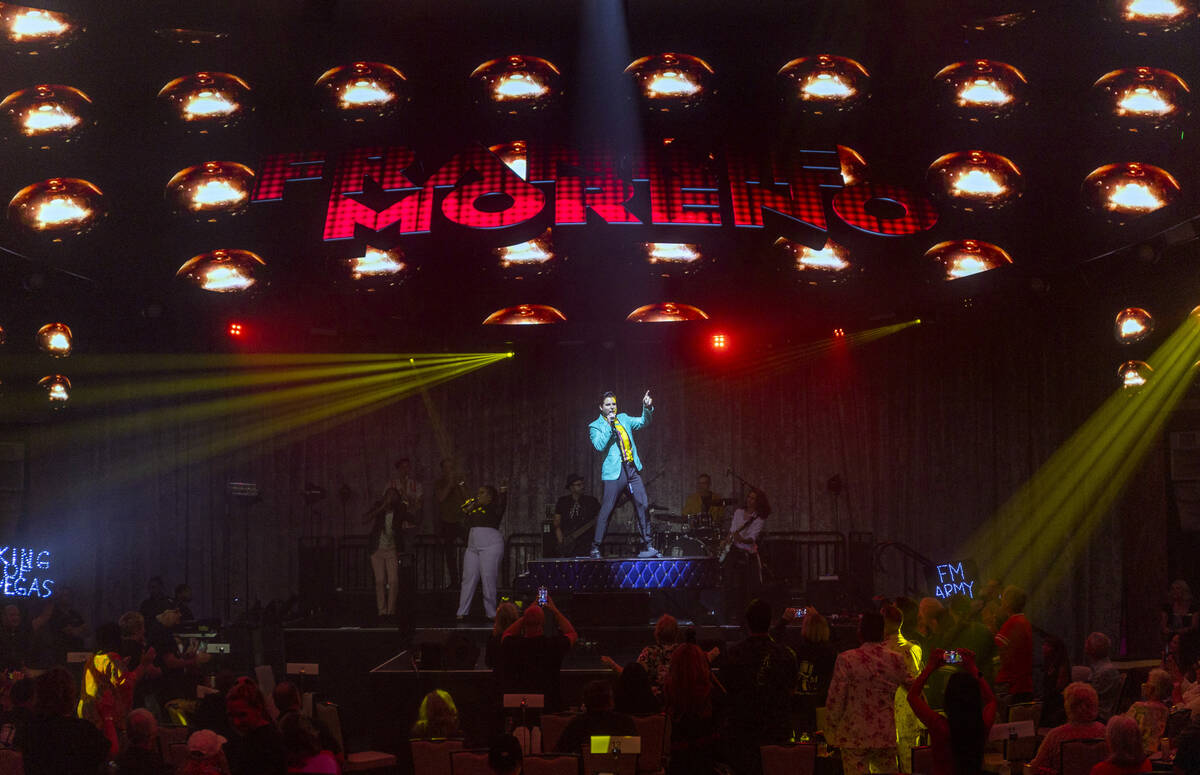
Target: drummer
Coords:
[(705, 502)]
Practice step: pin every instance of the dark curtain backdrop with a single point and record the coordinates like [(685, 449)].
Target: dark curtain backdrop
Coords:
[(931, 429)]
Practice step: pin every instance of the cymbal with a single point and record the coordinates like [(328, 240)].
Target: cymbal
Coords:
[(669, 517)]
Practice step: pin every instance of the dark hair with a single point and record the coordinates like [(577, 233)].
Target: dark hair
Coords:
[(598, 695), (964, 715), (763, 510), (23, 691), (870, 627), (286, 696), (300, 740), (689, 682), (704, 476), (505, 754), (758, 616), (108, 637), (56, 693), (634, 692), (246, 690), (180, 587), (491, 491), (607, 395)]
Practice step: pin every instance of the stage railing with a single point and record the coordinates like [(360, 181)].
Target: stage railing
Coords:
[(797, 557)]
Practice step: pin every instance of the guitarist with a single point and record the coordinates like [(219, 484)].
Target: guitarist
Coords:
[(743, 568), (574, 513)]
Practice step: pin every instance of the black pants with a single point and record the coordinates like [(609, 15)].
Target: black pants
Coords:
[(448, 534), (742, 577), (629, 480)]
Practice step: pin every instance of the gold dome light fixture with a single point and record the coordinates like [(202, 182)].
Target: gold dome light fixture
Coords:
[(363, 90), (46, 113), (211, 189), (55, 339), (982, 88), (1144, 17), (830, 263), (525, 315), (963, 258), (515, 156), (673, 258), (1134, 374), (1128, 190), (975, 180), (378, 264), (528, 258), (58, 207), (666, 312), (1132, 324), (825, 83), (207, 100), (853, 165), (58, 389), (32, 30), (671, 81), (1142, 96), (517, 84), (222, 271)]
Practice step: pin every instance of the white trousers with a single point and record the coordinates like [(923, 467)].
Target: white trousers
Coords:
[(387, 580), (485, 550)]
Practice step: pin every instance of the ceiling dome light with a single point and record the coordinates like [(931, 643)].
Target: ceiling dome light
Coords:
[(58, 389), (1142, 96), (529, 258), (222, 271), (31, 30), (672, 258), (1132, 324), (378, 266), (982, 88), (854, 166), (975, 179), (1129, 189), (525, 315), (207, 100), (363, 90), (515, 156), (666, 312), (56, 339), (47, 112), (211, 189), (517, 84), (1142, 17), (962, 258), (1134, 374), (825, 83), (671, 81), (58, 207)]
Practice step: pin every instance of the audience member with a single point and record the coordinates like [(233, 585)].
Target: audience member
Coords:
[(1125, 753), (908, 727), (138, 657), (691, 699), (206, 755), (1151, 712), (14, 640), (657, 658), (760, 676), (1056, 674), (141, 756), (108, 686), (178, 665), (58, 742), (14, 722), (1014, 643), (598, 718), (860, 717), (927, 621), (532, 659), (303, 749), (1081, 706), (258, 749), (1105, 677), (506, 615), (210, 711), (287, 699), (1180, 617), (505, 756), (182, 602), (634, 693), (437, 718), (156, 599), (966, 631), (815, 657), (66, 622), (957, 739)]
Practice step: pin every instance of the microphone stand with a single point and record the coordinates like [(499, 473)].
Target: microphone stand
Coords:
[(744, 483)]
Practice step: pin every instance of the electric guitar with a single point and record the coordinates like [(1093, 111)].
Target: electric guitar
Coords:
[(736, 535)]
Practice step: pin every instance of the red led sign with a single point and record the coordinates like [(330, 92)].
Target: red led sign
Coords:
[(371, 188)]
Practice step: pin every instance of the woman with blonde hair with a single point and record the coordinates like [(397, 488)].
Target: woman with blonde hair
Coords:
[(1082, 705), (437, 718), (1126, 755), (1151, 712)]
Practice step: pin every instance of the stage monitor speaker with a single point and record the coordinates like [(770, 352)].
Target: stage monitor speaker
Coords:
[(591, 609), (318, 568), (831, 596)]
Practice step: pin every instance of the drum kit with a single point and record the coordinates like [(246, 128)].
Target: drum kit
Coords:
[(685, 535)]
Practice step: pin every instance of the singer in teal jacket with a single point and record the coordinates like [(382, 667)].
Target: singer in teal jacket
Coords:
[(612, 435)]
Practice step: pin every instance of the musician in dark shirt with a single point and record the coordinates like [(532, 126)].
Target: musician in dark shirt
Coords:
[(485, 548), (574, 514)]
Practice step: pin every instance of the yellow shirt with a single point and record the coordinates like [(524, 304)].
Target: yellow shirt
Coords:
[(623, 441)]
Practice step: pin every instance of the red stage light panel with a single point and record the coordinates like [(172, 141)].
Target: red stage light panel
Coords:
[(720, 342), (839, 333), (236, 330)]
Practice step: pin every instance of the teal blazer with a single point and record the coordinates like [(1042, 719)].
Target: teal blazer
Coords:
[(604, 439)]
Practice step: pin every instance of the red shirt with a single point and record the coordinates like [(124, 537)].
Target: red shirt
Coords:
[(1015, 641), (1108, 768)]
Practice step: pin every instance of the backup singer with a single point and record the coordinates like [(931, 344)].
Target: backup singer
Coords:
[(612, 435), (387, 518), (485, 548)]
